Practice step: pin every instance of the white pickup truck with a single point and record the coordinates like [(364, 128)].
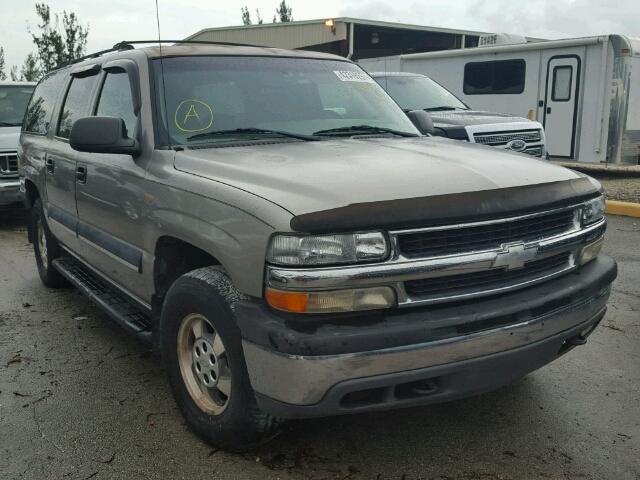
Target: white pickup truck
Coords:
[(452, 118), (14, 97)]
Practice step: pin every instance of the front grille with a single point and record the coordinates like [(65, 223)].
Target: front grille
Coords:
[(486, 280), (8, 163), (497, 139), (431, 243)]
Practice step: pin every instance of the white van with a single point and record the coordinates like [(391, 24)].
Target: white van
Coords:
[(585, 91)]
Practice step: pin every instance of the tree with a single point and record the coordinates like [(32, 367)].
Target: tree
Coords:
[(3, 76), (30, 71), (246, 16), (56, 46), (283, 12), (13, 74)]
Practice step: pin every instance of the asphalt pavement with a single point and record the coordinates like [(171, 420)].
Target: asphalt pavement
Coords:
[(79, 399)]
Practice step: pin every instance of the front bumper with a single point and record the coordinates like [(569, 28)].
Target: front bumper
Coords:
[(342, 364), (10, 192)]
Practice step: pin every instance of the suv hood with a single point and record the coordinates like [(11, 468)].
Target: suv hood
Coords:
[(305, 177), (9, 137), (472, 117)]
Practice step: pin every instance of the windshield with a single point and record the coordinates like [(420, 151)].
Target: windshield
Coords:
[(241, 97), (420, 93), (13, 103)]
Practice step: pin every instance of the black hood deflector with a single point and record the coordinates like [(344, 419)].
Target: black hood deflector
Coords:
[(446, 209)]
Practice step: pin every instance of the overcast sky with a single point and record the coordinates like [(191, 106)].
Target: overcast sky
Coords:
[(113, 20)]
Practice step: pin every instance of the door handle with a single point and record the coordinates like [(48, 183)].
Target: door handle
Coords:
[(50, 165), (548, 109), (81, 174)]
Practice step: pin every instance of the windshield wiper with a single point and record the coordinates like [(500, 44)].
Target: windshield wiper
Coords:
[(442, 108), (353, 129), (251, 130), (10, 124)]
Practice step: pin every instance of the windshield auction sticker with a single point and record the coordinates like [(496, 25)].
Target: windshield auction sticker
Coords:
[(353, 76), (193, 116)]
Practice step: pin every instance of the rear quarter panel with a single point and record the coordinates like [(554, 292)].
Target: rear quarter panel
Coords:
[(31, 155)]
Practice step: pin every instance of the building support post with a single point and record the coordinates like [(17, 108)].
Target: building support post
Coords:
[(351, 33)]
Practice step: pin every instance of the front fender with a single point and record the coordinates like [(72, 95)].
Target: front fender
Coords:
[(237, 240)]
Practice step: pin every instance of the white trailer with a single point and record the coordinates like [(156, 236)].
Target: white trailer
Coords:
[(585, 91)]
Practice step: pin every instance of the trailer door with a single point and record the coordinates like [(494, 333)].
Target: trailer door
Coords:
[(561, 104)]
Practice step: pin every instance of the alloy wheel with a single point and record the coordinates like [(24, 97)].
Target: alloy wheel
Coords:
[(204, 364)]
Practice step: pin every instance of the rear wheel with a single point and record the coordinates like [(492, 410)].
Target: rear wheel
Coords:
[(45, 248), (202, 353)]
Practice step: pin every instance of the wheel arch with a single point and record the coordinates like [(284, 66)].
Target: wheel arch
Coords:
[(173, 257), (31, 194)]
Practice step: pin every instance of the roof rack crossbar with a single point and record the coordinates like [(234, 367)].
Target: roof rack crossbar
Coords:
[(129, 45)]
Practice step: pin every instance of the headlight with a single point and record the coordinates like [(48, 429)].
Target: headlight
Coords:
[(593, 210), (310, 250)]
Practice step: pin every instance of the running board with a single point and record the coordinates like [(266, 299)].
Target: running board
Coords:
[(105, 296)]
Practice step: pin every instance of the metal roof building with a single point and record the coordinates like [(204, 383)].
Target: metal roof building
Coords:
[(349, 37)]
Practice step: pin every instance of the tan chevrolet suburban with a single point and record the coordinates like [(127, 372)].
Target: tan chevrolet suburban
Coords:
[(291, 245)]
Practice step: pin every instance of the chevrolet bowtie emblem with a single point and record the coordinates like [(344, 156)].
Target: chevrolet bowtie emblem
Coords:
[(514, 256)]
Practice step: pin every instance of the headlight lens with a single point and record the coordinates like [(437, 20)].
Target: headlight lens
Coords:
[(310, 250), (593, 210)]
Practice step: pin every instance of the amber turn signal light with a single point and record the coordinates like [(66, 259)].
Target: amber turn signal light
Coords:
[(287, 301), (350, 300)]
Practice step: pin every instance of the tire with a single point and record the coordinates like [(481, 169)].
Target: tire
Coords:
[(46, 248), (232, 422)]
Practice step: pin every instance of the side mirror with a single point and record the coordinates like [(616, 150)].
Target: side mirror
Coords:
[(422, 121), (102, 135)]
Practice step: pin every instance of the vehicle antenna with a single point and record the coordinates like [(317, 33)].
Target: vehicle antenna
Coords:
[(164, 91)]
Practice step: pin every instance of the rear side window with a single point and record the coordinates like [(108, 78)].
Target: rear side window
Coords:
[(76, 104), (495, 78), (116, 101), (40, 108)]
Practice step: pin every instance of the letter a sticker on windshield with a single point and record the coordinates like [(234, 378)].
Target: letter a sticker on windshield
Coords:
[(193, 116), (353, 76)]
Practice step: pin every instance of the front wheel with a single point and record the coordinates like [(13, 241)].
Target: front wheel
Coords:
[(202, 353), (45, 248)]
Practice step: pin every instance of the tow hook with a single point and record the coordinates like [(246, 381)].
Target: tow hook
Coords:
[(572, 342), (576, 341)]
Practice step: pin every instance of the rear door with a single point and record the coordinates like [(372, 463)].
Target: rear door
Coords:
[(61, 158), (561, 104)]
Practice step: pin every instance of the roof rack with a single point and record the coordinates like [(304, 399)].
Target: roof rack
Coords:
[(129, 45)]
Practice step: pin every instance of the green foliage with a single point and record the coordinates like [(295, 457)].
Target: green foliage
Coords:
[(55, 45), (246, 16), (3, 76), (283, 13), (30, 71)]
